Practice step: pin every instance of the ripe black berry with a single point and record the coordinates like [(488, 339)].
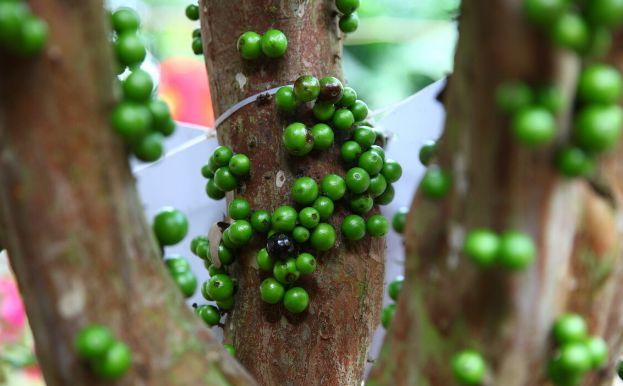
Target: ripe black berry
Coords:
[(280, 246)]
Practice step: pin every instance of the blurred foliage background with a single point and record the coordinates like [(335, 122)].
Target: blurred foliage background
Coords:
[(400, 47)]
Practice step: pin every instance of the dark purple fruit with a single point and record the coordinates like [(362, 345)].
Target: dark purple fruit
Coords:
[(280, 246), (331, 90)]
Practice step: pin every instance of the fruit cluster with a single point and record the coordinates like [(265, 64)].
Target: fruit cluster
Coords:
[(349, 20), (223, 171), (393, 289), (272, 44), (192, 13), (182, 275), (109, 358), (140, 119), (577, 353), (512, 250), (21, 32)]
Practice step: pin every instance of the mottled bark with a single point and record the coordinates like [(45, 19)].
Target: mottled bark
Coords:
[(326, 345), (75, 229), (447, 303)]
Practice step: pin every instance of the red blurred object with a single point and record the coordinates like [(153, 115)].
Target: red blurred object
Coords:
[(184, 86)]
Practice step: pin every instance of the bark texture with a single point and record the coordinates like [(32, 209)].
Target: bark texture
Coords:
[(326, 345), (448, 304), (72, 221)]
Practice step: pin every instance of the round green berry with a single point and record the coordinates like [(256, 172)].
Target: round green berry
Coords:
[(130, 49), (350, 151), (115, 361), (513, 96), (149, 148), (534, 126), (378, 184), (186, 282), (371, 162), (177, 264), (225, 255), (228, 242), (361, 204), (347, 6), (296, 300), (377, 225), (600, 83), (353, 227), (261, 221), (575, 358), (170, 226), (160, 114), (399, 219), (573, 162), (330, 89), (304, 190), (284, 218), (222, 155), (194, 243), (394, 288), (297, 139), (131, 121), (93, 341), (285, 271), (192, 12), (125, 20), (543, 11), (213, 191), (571, 31), (220, 287), (209, 314), (481, 246), (469, 367), (436, 183), (387, 197), (324, 206), (33, 36), (378, 150), (271, 291), (264, 261), (225, 180), (387, 315), (364, 136), (306, 88), (274, 43), (608, 13), (202, 250), (230, 349), (240, 165), (323, 111), (516, 250), (300, 234), (305, 263), (197, 46), (343, 119), (357, 180), (240, 232), (598, 349), (309, 217), (323, 136), (323, 237), (598, 128), (392, 171), (333, 186), (285, 99), (359, 110), (349, 97), (551, 98), (570, 328), (349, 23), (249, 45)]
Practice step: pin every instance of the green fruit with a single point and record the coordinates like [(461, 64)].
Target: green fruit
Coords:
[(516, 250), (378, 184), (377, 226), (364, 136), (230, 349), (469, 367), (225, 255), (192, 12), (286, 272), (436, 183), (220, 287), (264, 261), (353, 227), (359, 110), (115, 362), (371, 162), (240, 165), (239, 209), (573, 162), (600, 83), (149, 148), (598, 128), (392, 171), (323, 136), (513, 96), (271, 291), (125, 20), (598, 350), (347, 6), (93, 341), (608, 13), (571, 31), (305, 263), (285, 99), (225, 180), (306, 88), (213, 191), (209, 314), (482, 246), (131, 121), (399, 219), (33, 36), (394, 288), (333, 186), (387, 315), (300, 234), (323, 111), (161, 115), (138, 86), (284, 218), (534, 126), (309, 217), (304, 190), (296, 300), (240, 232), (222, 155), (274, 43), (387, 197), (196, 241), (349, 23), (323, 237), (361, 204), (550, 97), (575, 358), (170, 226), (543, 11), (357, 180), (350, 151), (343, 119), (12, 17), (349, 97), (197, 46), (570, 328), (324, 206), (130, 49), (297, 139), (261, 221)]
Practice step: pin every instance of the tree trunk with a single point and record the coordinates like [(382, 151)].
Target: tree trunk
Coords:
[(72, 221), (326, 345), (447, 304)]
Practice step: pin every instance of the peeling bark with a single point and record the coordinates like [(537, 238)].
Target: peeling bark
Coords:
[(326, 345), (447, 304), (70, 215)]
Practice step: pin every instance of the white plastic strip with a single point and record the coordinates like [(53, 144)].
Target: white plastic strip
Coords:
[(230, 111)]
